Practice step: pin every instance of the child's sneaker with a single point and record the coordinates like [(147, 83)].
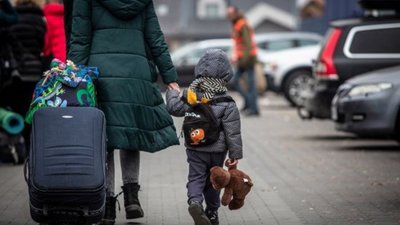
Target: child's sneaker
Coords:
[(197, 212), (212, 216)]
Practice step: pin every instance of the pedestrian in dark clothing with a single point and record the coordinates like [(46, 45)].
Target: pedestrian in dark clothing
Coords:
[(26, 41), (124, 40), (8, 16), (29, 34), (212, 74), (245, 57)]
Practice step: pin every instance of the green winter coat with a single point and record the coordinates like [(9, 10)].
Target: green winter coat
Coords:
[(124, 40)]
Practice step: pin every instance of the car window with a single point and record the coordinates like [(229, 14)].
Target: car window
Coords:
[(194, 56), (276, 45), (373, 41), (376, 41), (307, 42)]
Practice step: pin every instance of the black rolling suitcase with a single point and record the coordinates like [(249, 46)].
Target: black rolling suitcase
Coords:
[(67, 166)]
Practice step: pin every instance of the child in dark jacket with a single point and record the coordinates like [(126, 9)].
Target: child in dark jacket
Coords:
[(212, 74)]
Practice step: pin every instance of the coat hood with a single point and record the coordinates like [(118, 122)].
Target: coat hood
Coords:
[(54, 9), (125, 9), (214, 63)]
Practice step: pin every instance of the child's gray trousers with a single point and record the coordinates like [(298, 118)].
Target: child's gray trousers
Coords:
[(199, 187)]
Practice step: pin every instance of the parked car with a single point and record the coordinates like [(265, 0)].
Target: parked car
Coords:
[(352, 47), (186, 57), (369, 104), (276, 41), (290, 71)]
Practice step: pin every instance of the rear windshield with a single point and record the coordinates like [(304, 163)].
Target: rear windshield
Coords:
[(372, 40), (376, 41)]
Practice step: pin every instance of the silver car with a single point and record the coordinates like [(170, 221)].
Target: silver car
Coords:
[(369, 104), (277, 41)]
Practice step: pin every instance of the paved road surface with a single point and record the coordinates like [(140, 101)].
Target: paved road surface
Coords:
[(304, 173)]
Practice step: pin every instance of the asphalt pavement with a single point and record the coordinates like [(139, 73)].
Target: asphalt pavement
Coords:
[(304, 172)]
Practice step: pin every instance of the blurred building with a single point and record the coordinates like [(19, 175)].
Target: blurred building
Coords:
[(189, 20), (317, 14)]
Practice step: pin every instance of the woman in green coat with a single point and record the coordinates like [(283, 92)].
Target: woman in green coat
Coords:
[(124, 40)]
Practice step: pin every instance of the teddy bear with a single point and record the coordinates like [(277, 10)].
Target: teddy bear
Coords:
[(237, 185)]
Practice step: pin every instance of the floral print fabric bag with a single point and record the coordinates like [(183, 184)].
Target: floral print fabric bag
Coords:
[(65, 84)]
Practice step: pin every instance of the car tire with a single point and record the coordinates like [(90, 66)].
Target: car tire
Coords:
[(295, 81)]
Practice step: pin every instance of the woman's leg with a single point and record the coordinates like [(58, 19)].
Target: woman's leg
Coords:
[(130, 166), (110, 174), (110, 213)]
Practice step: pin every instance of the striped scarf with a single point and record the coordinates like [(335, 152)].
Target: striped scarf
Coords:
[(209, 86)]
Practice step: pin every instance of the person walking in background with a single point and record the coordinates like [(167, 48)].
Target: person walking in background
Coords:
[(245, 58), (27, 42), (29, 35), (212, 73), (124, 40), (55, 44), (8, 16)]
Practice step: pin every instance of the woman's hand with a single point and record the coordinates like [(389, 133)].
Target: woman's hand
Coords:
[(174, 86)]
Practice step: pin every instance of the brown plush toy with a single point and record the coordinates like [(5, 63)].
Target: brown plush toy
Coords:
[(237, 185)]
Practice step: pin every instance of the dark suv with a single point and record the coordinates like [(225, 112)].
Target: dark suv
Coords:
[(351, 47)]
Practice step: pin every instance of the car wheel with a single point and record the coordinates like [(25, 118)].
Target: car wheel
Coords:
[(295, 85)]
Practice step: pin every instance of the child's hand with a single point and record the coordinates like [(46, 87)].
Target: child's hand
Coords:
[(174, 86), (231, 162)]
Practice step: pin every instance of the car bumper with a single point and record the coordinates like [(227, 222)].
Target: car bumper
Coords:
[(363, 114), (318, 99)]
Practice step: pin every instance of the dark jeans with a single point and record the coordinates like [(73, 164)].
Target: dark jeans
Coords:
[(199, 187), (250, 96)]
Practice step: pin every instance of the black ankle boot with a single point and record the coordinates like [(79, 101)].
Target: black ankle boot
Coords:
[(110, 214), (131, 201), (212, 216)]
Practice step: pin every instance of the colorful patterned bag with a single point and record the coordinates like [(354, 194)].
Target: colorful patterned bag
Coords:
[(64, 85)]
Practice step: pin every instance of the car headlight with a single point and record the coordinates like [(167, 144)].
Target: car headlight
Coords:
[(365, 89)]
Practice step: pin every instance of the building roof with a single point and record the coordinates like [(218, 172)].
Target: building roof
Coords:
[(182, 21)]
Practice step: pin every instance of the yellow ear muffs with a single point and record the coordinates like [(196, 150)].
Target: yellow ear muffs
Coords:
[(204, 100), (191, 96)]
